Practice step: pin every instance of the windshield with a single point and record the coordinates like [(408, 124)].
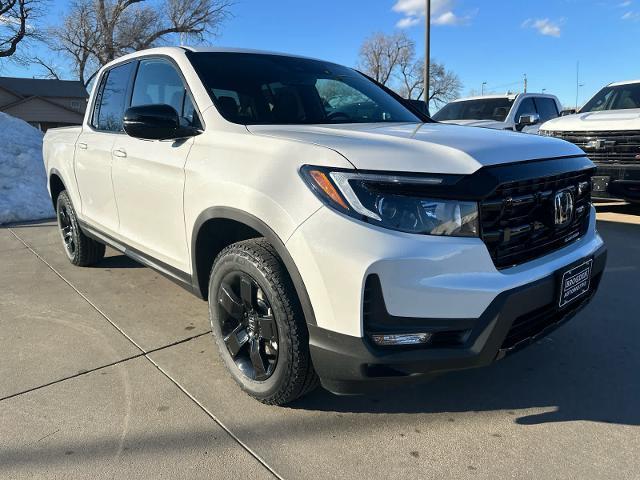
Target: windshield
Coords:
[(495, 109), (254, 89), (621, 97)]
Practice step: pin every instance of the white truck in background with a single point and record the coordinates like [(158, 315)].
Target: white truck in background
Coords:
[(607, 128), (523, 112)]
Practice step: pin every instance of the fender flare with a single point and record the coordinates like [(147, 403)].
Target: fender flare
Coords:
[(57, 173), (264, 230)]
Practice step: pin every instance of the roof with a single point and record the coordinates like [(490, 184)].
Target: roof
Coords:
[(29, 87), (241, 50), (175, 51), (22, 101), (510, 96), (485, 97), (628, 82)]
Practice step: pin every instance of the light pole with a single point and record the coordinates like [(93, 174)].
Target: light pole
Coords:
[(578, 84), (482, 89), (427, 54)]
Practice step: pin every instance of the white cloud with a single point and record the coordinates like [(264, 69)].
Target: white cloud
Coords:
[(632, 16), (407, 22), (449, 18), (544, 26), (625, 4), (442, 13)]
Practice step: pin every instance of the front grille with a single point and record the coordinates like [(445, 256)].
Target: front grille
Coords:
[(621, 147), (518, 224)]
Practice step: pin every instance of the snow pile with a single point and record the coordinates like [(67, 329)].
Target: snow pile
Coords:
[(23, 181)]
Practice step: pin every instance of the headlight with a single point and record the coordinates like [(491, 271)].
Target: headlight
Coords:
[(546, 133), (396, 202)]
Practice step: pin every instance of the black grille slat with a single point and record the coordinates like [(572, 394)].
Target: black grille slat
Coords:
[(625, 148), (517, 220)]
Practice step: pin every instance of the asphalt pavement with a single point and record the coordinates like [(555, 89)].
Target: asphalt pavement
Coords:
[(111, 372)]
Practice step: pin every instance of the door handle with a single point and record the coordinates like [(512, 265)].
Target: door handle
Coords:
[(82, 145), (120, 153)]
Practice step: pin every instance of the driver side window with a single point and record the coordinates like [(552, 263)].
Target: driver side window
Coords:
[(157, 82), (527, 107)]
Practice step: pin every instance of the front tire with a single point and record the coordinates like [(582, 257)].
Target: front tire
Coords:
[(80, 249), (258, 323)]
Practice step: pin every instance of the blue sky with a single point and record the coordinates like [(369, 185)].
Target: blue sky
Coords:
[(493, 41)]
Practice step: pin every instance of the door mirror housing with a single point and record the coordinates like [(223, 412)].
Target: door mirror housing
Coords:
[(155, 122), (528, 120), (419, 105)]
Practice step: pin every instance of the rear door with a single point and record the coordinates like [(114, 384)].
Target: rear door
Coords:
[(93, 159), (148, 175)]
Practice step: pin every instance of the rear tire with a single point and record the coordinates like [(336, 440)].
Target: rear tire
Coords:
[(258, 324), (80, 249)]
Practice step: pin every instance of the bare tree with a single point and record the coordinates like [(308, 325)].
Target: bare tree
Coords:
[(391, 60), (51, 71), (94, 32), (14, 24), (444, 85), (380, 54), (410, 74)]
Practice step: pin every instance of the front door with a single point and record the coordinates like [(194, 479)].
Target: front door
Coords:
[(148, 175)]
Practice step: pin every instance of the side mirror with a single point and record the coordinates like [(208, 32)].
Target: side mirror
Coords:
[(155, 122), (527, 121), (419, 105), (569, 111)]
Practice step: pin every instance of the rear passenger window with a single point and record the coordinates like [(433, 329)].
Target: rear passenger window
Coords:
[(547, 108), (111, 101), (159, 83)]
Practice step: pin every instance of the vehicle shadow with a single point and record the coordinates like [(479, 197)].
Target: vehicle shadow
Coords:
[(118, 261), (586, 370)]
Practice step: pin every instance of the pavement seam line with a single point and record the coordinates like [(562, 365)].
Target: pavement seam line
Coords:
[(101, 367), (95, 307), (144, 354), (216, 420)]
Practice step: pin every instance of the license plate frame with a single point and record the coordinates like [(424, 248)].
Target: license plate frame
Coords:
[(575, 282)]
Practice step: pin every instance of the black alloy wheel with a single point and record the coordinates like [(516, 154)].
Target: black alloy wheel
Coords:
[(258, 323), (67, 230), (80, 249), (248, 326)]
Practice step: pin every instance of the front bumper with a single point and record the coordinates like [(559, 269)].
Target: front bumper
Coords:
[(623, 183), (513, 320)]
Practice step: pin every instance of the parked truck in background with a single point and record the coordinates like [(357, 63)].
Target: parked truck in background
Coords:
[(607, 129), (523, 112), (337, 234)]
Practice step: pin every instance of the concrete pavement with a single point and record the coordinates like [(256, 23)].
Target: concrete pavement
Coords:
[(110, 372)]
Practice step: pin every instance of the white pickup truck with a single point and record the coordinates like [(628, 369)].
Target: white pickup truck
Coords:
[(338, 234), (522, 112), (607, 128)]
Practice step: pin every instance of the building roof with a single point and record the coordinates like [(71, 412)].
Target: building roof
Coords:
[(29, 87)]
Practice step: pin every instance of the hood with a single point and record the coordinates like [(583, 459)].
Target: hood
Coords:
[(428, 148), (608, 120), (478, 123)]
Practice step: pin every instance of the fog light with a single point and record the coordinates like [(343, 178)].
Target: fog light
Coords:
[(401, 339)]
